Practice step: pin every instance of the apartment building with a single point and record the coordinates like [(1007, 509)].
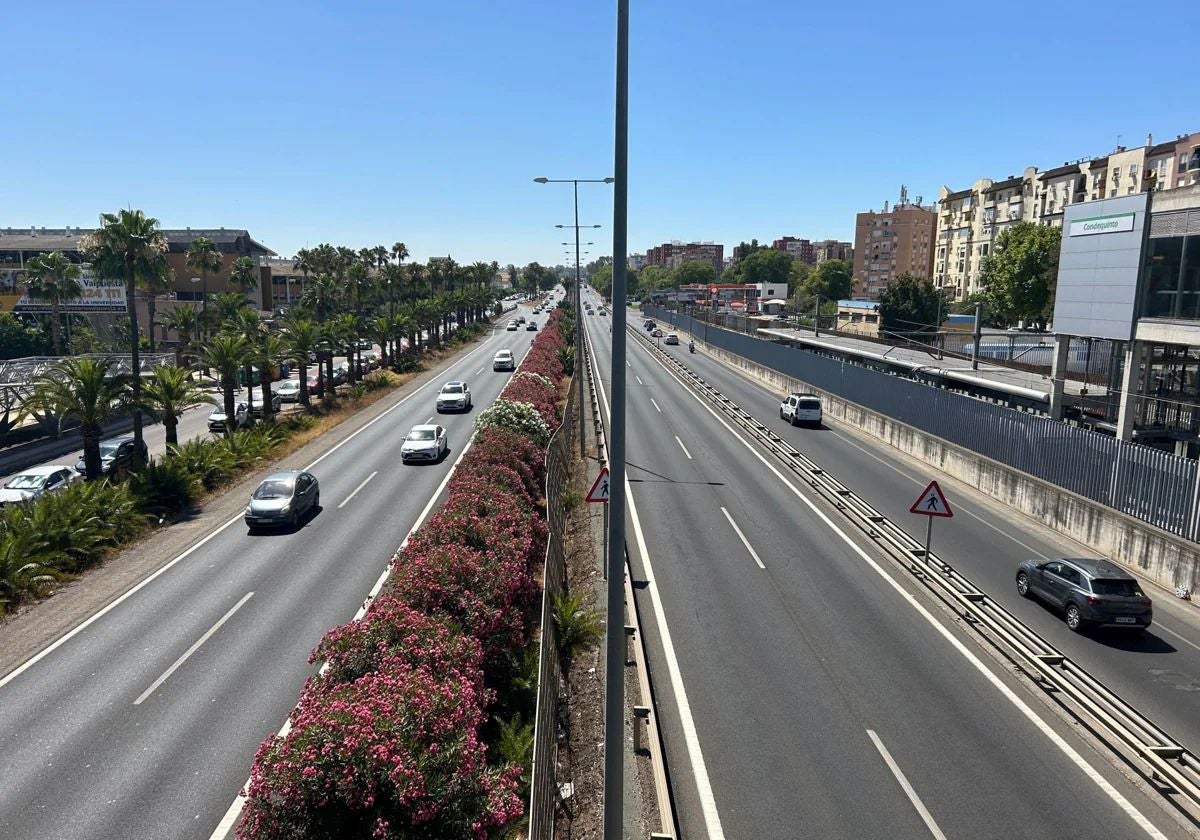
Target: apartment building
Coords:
[(674, 254), (635, 262), (832, 249), (801, 250), (969, 221), (891, 242)]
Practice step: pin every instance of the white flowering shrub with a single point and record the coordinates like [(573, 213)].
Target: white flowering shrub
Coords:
[(545, 380), (519, 416)]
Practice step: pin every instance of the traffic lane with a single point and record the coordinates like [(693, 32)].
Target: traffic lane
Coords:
[(885, 672), (1158, 671), (339, 543)]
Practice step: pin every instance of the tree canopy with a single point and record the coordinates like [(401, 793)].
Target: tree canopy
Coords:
[(909, 304), (693, 272), (1020, 275)]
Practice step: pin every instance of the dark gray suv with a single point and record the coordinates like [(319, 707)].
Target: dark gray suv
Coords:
[(1090, 592)]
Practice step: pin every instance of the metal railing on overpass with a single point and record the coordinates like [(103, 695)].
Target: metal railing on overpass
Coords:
[(1169, 766)]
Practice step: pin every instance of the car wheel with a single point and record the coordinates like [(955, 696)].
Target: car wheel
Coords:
[(781, 417), (1075, 620), (316, 500), (1023, 585), (792, 420)]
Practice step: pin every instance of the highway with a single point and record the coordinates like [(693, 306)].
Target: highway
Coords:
[(144, 724), (804, 686)]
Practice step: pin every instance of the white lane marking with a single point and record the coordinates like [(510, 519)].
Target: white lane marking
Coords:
[(708, 803), (684, 448), (742, 537), (479, 372), (1056, 739), (356, 489), (656, 408), (639, 379), (908, 788), (112, 605), (430, 420), (195, 647), (1159, 626)]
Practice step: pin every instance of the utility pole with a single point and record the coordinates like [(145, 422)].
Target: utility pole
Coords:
[(614, 671), (978, 335), (578, 324)]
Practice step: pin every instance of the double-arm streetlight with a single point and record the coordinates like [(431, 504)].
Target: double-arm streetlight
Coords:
[(575, 182)]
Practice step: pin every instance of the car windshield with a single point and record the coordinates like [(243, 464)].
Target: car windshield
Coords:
[(1129, 588), (275, 488), (107, 450), (26, 481), (421, 434), (452, 389)]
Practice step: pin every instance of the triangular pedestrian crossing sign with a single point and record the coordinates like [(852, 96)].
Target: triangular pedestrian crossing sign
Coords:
[(599, 491), (932, 502)]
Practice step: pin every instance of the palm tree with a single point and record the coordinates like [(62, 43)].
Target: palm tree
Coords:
[(54, 278), (345, 330), (320, 295), (183, 320), (168, 394), (399, 252), (269, 352), (228, 306), (156, 282), (303, 337), (303, 262), (225, 353), (83, 390), (243, 275), (246, 323), (203, 256), (131, 241)]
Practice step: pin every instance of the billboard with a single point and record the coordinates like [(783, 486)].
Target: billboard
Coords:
[(99, 294)]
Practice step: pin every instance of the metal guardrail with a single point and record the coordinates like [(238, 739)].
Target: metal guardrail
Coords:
[(1167, 764)]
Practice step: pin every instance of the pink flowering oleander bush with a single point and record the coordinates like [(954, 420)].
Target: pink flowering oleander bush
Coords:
[(492, 601), (542, 397), (494, 479), (394, 634), (497, 446), (389, 756)]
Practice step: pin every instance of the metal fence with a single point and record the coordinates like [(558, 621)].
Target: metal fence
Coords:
[(1152, 485), (543, 786)]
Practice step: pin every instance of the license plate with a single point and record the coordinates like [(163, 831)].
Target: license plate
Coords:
[(1125, 619)]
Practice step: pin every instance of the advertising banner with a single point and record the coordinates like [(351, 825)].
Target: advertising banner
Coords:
[(99, 295)]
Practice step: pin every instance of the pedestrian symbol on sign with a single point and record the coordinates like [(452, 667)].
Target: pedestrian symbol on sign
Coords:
[(599, 491), (932, 502)]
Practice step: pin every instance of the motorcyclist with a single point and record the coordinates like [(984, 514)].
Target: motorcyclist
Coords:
[(691, 346)]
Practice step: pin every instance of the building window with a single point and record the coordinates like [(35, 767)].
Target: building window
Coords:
[(1164, 262), (1183, 162)]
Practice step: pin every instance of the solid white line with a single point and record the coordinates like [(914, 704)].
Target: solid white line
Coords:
[(639, 379), (356, 489), (656, 408), (195, 647), (908, 788), (708, 803), (479, 372), (1186, 641), (430, 420), (1070, 752), (684, 448), (742, 537)]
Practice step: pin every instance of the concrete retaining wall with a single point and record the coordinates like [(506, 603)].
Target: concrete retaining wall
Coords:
[(1168, 560)]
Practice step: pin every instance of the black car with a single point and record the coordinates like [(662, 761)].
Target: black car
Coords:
[(116, 457), (1090, 592)]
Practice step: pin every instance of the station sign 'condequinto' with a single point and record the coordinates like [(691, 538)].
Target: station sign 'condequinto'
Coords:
[(1116, 223)]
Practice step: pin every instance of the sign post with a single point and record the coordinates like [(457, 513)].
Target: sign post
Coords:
[(932, 502), (599, 494)]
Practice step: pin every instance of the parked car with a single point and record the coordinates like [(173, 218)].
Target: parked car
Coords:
[(116, 457), (531, 327), (364, 344), (370, 359), (801, 408), (281, 499), (671, 338), (503, 360), (424, 443), (341, 373), (1089, 591), (288, 391), (217, 420), (35, 482), (454, 396), (256, 402)]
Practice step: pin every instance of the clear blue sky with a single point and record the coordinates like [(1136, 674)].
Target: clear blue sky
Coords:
[(369, 122)]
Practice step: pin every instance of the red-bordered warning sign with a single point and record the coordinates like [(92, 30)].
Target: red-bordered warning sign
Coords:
[(599, 491), (932, 502)]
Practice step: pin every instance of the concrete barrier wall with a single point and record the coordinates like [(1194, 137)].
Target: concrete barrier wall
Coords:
[(1168, 560)]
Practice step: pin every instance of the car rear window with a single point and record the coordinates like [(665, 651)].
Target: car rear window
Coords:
[(809, 405), (1108, 586)]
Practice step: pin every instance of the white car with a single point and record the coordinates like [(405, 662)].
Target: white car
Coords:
[(503, 360), (216, 420), (35, 482), (454, 396), (424, 443), (801, 408), (671, 338), (288, 391)]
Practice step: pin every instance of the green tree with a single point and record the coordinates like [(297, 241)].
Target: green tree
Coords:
[(910, 305), (53, 278), (766, 265), (832, 280), (653, 278), (20, 338), (128, 242), (268, 353), (1020, 275), (225, 353), (169, 393), (156, 281), (303, 337), (694, 272), (745, 249), (82, 390), (798, 277), (601, 279), (243, 275), (203, 256), (184, 321)]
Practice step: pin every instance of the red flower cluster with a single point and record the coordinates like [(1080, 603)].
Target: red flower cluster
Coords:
[(385, 740)]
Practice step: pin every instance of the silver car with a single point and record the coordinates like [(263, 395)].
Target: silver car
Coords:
[(35, 482), (281, 499), (454, 396), (288, 391), (424, 443)]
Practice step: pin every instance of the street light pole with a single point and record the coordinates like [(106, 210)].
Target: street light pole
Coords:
[(614, 669)]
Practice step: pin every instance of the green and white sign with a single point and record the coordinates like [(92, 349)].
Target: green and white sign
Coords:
[(1116, 223)]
